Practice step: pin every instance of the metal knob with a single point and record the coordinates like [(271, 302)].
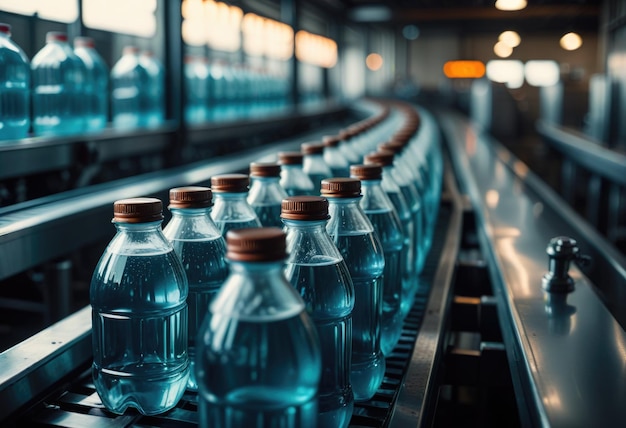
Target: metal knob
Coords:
[(562, 250)]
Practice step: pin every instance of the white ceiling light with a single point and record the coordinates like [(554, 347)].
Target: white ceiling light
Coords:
[(571, 41), (511, 38), (542, 72), (511, 4)]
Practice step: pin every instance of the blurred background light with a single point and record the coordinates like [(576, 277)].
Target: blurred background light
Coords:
[(542, 72), (571, 41), (508, 71), (511, 38), (510, 5), (374, 61), (502, 49), (410, 32)]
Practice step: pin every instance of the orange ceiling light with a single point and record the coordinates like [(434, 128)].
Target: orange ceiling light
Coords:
[(464, 69)]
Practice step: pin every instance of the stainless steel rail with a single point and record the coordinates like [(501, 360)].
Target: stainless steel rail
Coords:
[(567, 352)]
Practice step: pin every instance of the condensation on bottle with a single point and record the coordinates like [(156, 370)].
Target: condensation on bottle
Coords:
[(359, 245), (266, 194), (383, 216), (14, 88), (292, 177), (317, 271), (201, 248), (258, 361), (139, 314), (231, 209), (58, 79), (96, 86)]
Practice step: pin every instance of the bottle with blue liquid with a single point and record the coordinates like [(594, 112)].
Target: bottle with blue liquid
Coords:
[(333, 157), (139, 314), (317, 271), (154, 89), (314, 165), (96, 84), (381, 212), (266, 194), (196, 90), (358, 243), (231, 209), (58, 79), (292, 177), (258, 361), (128, 79), (14, 88), (200, 246)]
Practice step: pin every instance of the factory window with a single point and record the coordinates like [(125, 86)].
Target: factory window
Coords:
[(65, 11)]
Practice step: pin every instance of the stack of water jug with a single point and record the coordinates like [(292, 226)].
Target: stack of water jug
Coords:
[(69, 88), (277, 294)]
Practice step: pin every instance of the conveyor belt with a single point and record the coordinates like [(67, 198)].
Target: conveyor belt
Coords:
[(72, 401)]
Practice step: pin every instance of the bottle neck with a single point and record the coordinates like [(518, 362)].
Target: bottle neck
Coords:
[(190, 212), (306, 225), (270, 268), (152, 226), (344, 201), (228, 196)]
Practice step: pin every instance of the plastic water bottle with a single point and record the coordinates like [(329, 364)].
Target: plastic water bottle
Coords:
[(258, 361), (318, 272), (358, 243), (58, 77), (381, 212), (14, 88), (333, 157), (292, 177), (231, 209), (313, 163), (266, 194), (396, 196), (139, 314), (196, 90), (154, 109), (96, 84), (127, 90), (201, 248), (345, 145)]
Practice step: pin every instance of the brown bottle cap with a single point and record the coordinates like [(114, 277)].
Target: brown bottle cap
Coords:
[(366, 172), (264, 169), (341, 187), (137, 210), (391, 146), (331, 140), (381, 157), (304, 208), (191, 197), (259, 244), (230, 183), (290, 158), (312, 148)]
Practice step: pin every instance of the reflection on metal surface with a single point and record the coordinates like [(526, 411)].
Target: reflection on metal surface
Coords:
[(492, 197), (513, 260), (561, 315)]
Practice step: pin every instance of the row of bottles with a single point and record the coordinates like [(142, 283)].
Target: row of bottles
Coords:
[(69, 88), (217, 90), (291, 331)]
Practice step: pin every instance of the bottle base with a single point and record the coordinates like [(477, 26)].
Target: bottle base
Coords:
[(366, 377)]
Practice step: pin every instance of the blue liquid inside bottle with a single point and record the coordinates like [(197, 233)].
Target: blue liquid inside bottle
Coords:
[(258, 362), (322, 283), (14, 88), (392, 242), (139, 330), (232, 211), (269, 215), (206, 268), (366, 269)]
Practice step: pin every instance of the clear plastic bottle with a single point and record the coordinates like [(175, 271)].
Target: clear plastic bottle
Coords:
[(139, 314), (345, 145), (318, 272), (14, 88), (292, 177), (313, 164), (96, 84), (231, 209), (358, 243), (381, 212), (334, 158), (266, 194), (201, 248), (258, 362), (58, 77), (196, 90), (128, 79), (154, 109), (395, 194)]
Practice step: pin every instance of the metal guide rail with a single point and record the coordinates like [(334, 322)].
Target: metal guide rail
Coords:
[(58, 360), (567, 350)]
